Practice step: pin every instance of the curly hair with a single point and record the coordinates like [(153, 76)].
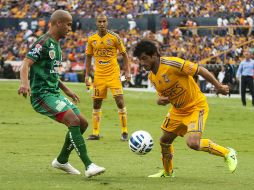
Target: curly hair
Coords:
[(145, 46)]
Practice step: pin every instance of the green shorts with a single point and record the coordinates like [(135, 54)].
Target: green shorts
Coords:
[(52, 105)]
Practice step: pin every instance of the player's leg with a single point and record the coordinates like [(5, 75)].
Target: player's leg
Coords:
[(71, 120), (170, 130), (194, 139), (67, 148), (167, 151), (99, 93), (122, 112), (243, 90), (251, 87), (96, 119), (116, 88)]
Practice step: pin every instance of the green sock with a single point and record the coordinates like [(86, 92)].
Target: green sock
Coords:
[(66, 150), (79, 144)]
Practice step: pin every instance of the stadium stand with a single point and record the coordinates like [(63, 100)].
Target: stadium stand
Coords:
[(212, 45)]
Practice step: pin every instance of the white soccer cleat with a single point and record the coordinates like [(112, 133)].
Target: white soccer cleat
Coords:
[(94, 170), (65, 167)]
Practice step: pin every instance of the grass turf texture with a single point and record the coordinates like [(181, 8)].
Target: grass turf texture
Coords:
[(30, 141)]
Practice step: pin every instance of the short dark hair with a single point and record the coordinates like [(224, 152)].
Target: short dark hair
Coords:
[(145, 46)]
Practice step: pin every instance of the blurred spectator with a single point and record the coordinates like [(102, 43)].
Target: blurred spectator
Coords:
[(120, 8)]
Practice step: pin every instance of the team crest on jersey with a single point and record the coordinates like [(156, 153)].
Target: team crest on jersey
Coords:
[(52, 54), (94, 42), (109, 42)]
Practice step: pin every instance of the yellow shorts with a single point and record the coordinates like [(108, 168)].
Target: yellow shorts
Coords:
[(181, 123), (101, 85)]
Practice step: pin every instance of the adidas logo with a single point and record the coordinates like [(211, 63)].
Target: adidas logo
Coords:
[(233, 157), (51, 46)]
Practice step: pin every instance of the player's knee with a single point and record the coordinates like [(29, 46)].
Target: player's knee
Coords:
[(83, 124), (193, 144), (74, 121), (97, 103), (167, 138)]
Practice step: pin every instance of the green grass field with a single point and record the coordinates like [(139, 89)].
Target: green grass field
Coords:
[(30, 141)]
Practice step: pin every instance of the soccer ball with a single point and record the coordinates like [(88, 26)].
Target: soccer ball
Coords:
[(141, 142)]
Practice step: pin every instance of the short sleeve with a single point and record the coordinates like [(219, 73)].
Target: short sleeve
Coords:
[(189, 68), (35, 52), (89, 47), (119, 44)]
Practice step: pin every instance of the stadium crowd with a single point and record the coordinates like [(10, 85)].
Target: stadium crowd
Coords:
[(178, 42), (120, 8), (15, 44)]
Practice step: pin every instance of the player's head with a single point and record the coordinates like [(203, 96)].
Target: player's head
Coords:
[(61, 22), (247, 54), (102, 22), (147, 53)]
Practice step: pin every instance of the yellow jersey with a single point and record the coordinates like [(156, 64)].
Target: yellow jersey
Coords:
[(105, 50), (174, 79)]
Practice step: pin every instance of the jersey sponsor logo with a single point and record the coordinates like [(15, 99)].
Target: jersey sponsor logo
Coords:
[(103, 62), (37, 48), (56, 66), (104, 52), (35, 51), (174, 91), (33, 54), (51, 46), (52, 54)]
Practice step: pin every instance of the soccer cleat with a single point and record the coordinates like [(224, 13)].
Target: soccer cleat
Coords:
[(65, 167), (231, 160), (124, 136), (93, 170), (162, 173), (93, 137)]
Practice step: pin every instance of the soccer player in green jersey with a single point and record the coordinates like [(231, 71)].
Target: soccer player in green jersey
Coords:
[(41, 64)]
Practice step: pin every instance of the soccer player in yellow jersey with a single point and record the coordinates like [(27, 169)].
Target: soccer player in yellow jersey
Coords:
[(104, 46), (173, 80)]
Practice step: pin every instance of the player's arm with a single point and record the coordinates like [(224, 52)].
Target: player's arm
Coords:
[(120, 46), (239, 71), (88, 69), (126, 66), (223, 89), (89, 55), (68, 92), (24, 88)]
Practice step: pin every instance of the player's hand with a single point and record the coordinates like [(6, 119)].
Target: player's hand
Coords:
[(162, 100), (24, 90), (87, 81), (73, 96), (127, 76), (223, 89)]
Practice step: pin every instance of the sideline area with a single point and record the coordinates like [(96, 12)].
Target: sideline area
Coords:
[(148, 90)]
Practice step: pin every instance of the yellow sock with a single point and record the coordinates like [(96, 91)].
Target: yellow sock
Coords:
[(123, 119), (96, 121), (167, 152), (207, 145)]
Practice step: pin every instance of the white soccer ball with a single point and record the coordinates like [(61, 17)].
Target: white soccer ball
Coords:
[(141, 142)]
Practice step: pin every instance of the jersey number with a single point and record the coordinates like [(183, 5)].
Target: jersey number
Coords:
[(96, 92)]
